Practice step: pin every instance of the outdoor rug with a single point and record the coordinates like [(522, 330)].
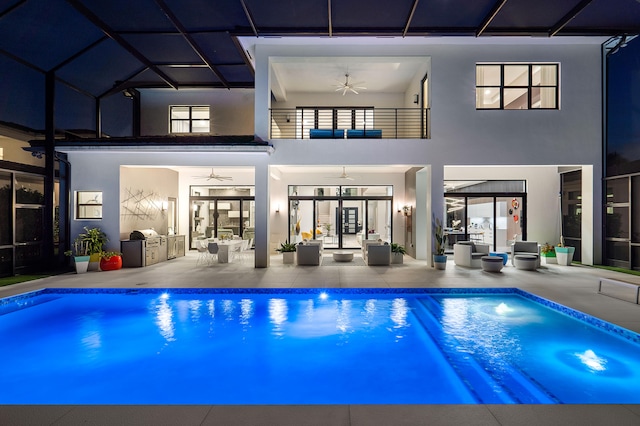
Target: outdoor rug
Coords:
[(328, 261)]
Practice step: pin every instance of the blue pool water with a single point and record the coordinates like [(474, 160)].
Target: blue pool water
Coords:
[(309, 346)]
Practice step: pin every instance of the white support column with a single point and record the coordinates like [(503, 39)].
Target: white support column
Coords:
[(433, 178), (591, 253), (262, 216)]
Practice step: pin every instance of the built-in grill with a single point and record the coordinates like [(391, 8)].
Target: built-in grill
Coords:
[(143, 248)]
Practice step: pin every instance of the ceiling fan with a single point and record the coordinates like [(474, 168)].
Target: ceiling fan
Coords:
[(344, 175), (215, 176), (349, 86)]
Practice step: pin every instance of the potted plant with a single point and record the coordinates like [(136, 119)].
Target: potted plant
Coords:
[(80, 254), (439, 258), (95, 240), (110, 260), (288, 251), (397, 253), (564, 254), (548, 253)]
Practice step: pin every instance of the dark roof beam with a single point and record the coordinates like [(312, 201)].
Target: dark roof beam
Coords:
[(121, 85), (329, 18), (410, 18), (568, 17), (492, 14), (245, 55), (12, 8), (196, 48), (94, 19), (43, 72), (247, 12)]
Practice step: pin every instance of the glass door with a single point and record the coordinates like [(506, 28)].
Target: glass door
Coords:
[(509, 222)]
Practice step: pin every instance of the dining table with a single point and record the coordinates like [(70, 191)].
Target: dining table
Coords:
[(226, 247)]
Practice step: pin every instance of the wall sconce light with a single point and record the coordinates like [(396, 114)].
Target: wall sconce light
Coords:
[(278, 208), (407, 210), (416, 99), (398, 208), (165, 205)]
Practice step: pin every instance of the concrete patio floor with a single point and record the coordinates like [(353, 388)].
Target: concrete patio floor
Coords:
[(572, 286)]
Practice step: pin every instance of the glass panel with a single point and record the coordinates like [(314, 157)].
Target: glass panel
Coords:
[(572, 206), (301, 223), (29, 189), (89, 212), (327, 217), (515, 99), (29, 225), (6, 262), (454, 223), (199, 214), (344, 119), (180, 112), (488, 75), (543, 97), (379, 218), (617, 222), (200, 113), (516, 75), (544, 75), (200, 126), (617, 250), (89, 197), (508, 222), (480, 220), (6, 210), (635, 209), (487, 97), (618, 190), (249, 221), (228, 218), (635, 258), (29, 255), (179, 126), (352, 220), (325, 119)]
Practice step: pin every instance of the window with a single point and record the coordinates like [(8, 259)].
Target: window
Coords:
[(89, 204), (516, 86), (189, 119)]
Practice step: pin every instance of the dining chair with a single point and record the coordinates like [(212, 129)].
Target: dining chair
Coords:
[(203, 253), (213, 248)]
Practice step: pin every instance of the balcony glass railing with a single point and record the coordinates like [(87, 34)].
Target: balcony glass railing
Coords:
[(349, 123)]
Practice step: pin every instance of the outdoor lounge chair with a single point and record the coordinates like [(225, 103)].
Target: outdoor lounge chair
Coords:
[(469, 254)]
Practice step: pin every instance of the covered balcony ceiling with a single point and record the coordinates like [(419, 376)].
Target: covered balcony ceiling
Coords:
[(101, 47)]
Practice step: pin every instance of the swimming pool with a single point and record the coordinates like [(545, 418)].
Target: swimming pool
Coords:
[(309, 346)]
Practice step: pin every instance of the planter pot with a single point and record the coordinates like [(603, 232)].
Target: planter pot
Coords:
[(440, 261), (565, 255), (111, 264), (94, 262), (81, 264), (550, 260), (397, 258), (288, 257)]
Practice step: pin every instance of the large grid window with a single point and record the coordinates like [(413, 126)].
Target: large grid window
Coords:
[(517, 86), (189, 119)]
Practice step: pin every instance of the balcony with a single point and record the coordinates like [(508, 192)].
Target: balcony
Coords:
[(349, 123)]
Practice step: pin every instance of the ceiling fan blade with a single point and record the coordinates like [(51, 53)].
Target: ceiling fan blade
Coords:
[(344, 91), (353, 90)]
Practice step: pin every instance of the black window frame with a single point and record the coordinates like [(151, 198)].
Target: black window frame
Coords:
[(190, 119), (529, 87)]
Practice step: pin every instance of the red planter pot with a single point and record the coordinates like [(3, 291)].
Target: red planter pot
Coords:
[(111, 264)]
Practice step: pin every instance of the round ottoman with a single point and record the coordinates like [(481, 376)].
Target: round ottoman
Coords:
[(342, 256), (491, 263), (525, 262)]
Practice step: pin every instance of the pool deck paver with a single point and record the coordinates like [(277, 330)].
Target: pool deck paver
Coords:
[(572, 286)]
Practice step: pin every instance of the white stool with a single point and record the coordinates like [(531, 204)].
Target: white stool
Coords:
[(491, 263), (342, 256), (525, 262)]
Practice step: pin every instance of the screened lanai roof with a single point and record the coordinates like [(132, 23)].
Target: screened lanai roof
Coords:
[(96, 48)]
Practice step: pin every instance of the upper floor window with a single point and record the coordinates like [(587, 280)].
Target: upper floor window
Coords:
[(189, 119), (517, 86)]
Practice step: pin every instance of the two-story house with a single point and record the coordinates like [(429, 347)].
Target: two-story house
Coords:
[(343, 139)]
